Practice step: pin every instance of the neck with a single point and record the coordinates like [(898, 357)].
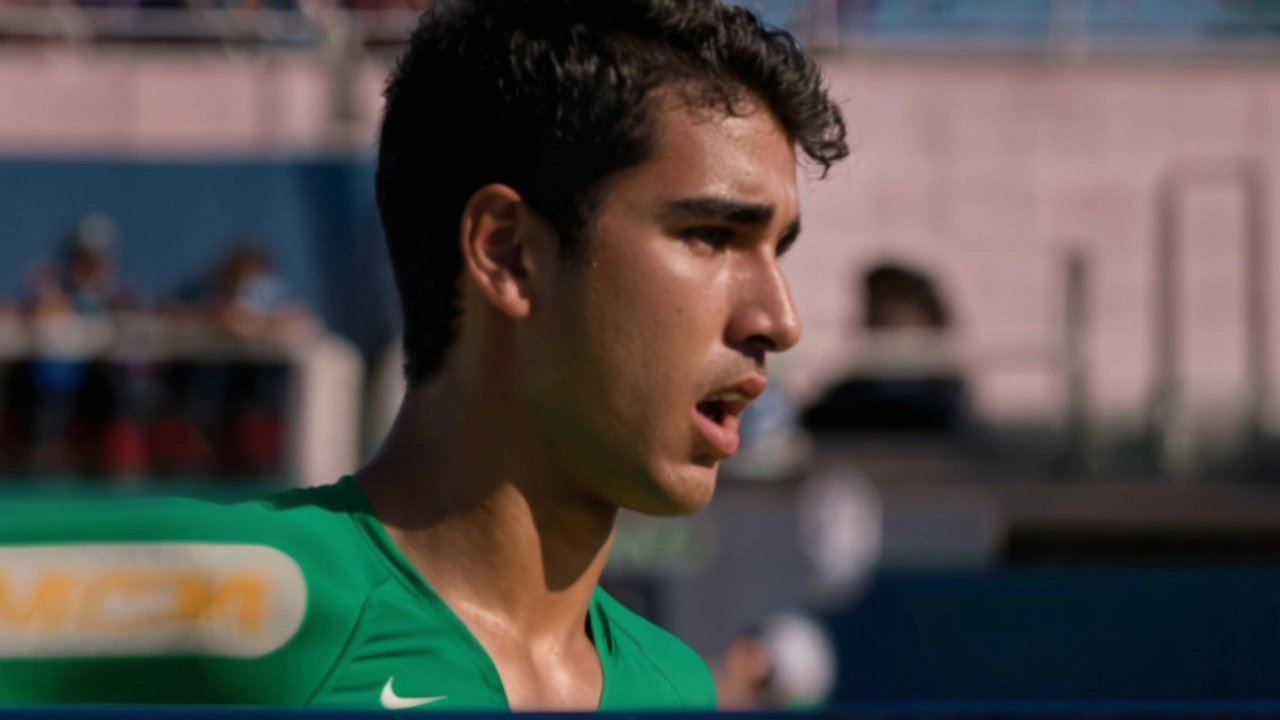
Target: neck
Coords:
[(494, 525)]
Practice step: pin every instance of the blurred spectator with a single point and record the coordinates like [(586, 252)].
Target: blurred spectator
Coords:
[(53, 383), (249, 301), (72, 403), (47, 299), (11, 337), (899, 297), (96, 390), (113, 4), (905, 382), (841, 514), (232, 409), (787, 662), (89, 268), (118, 396)]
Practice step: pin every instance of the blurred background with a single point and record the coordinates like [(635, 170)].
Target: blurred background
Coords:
[(1027, 449)]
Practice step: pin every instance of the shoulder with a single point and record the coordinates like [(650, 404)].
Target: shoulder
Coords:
[(292, 516), (270, 588), (657, 652)]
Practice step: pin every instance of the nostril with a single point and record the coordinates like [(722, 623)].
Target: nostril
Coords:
[(759, 345)]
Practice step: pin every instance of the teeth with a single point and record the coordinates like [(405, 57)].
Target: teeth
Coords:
[(728, 397)]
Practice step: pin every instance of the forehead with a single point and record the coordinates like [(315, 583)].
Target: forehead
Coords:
[(708, 153)]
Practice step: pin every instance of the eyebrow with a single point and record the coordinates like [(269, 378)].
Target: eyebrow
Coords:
[(722, 209)]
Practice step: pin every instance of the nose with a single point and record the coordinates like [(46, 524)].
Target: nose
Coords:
[(765, 318)]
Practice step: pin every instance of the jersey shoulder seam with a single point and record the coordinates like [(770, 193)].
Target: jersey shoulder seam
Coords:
[(635, 642), (344, 652), (390, 572)]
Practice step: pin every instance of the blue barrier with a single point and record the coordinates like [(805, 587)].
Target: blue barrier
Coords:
[(1175, 633), (998, 711)]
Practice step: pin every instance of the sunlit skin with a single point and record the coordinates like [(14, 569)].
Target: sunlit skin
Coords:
[(574, 387)]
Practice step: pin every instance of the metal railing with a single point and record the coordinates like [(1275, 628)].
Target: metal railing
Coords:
[(1169, 404)]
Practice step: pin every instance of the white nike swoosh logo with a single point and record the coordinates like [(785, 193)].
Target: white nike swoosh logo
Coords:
[(392, 701)]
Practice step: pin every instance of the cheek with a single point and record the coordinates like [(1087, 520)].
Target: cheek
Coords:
[(658, 324), (633, 334)]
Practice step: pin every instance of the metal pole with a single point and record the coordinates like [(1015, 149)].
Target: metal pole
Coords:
[(1257, 300), (1076, 346), (1166, 406)]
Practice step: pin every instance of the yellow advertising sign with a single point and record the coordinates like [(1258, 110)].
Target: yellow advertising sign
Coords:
[(148, 599)]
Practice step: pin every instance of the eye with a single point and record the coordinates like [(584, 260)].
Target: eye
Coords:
[(716, 237)]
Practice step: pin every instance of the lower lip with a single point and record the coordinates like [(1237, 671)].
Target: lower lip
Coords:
[(723, 435)]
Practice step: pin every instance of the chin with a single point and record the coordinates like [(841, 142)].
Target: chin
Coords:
[(677, 490)]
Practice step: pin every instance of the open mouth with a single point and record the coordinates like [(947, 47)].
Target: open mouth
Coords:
[(717, 418), (714, 410), (723, 407)]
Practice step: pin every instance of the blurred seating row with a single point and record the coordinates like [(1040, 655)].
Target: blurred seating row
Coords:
[(123, 404)]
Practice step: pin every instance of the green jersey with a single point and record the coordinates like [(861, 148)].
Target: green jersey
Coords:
[(298, 599)]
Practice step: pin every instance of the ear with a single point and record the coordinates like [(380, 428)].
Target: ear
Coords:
[(493, 252)]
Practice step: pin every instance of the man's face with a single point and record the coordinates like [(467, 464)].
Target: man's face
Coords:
[(642, 352)]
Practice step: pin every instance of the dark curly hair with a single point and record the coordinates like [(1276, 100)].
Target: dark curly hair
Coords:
[(550, 97)]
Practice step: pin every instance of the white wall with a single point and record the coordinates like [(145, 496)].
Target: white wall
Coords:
[(988, 172)]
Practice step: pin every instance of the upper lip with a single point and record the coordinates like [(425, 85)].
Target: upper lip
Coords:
[(736, 397)]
